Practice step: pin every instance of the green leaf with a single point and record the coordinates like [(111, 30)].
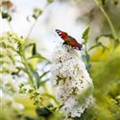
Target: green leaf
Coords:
[(110, 36), (34, 51), (45, 73), (104, 48), (104, 35), (94, 46), (85, 35), (38, 78), (37, 56), (36, 13), (6, 16), (36, 75), (99, 44), (41, 83)]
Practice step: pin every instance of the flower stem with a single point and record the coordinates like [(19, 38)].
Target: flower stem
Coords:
[(27, 68), (108, 19), (31, 29), (86, 53)]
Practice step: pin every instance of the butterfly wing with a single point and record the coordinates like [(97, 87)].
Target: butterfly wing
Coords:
[(69, 40), (73, 43), (62, 34)]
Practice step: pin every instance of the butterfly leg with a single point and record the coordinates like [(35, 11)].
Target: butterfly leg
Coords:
[(64, 43)]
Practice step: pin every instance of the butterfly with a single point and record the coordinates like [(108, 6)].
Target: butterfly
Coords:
[(69, 40)]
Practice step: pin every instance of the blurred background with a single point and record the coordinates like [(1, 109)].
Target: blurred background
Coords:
[(72, 16), (35, 21), (57, 15)]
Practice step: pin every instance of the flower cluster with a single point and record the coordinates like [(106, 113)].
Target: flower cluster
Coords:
[(10, 62), (11, 73), (9, 48), (73, 84)]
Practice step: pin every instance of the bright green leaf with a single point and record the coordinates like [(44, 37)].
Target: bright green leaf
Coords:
[(85, 35)]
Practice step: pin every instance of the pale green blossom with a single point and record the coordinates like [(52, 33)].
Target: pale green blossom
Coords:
[(11, 62)]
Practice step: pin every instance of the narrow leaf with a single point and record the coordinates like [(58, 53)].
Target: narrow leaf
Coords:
[(41, 83), (36, 13), (36, 75), (99, 44), (104, 35), (85, 35), (33, 45), (37, 56), (34, 50), (45, 73), (94, 46)]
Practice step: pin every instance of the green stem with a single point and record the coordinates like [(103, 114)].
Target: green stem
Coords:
[(32, 27), (30, 31), (31, 80), (86, 53), (85, 49), (108, 19), (52, 97)]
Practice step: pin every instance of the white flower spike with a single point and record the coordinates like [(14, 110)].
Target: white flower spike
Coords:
[(74, 86)]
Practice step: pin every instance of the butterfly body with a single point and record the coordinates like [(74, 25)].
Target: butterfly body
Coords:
[(69, 40)]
